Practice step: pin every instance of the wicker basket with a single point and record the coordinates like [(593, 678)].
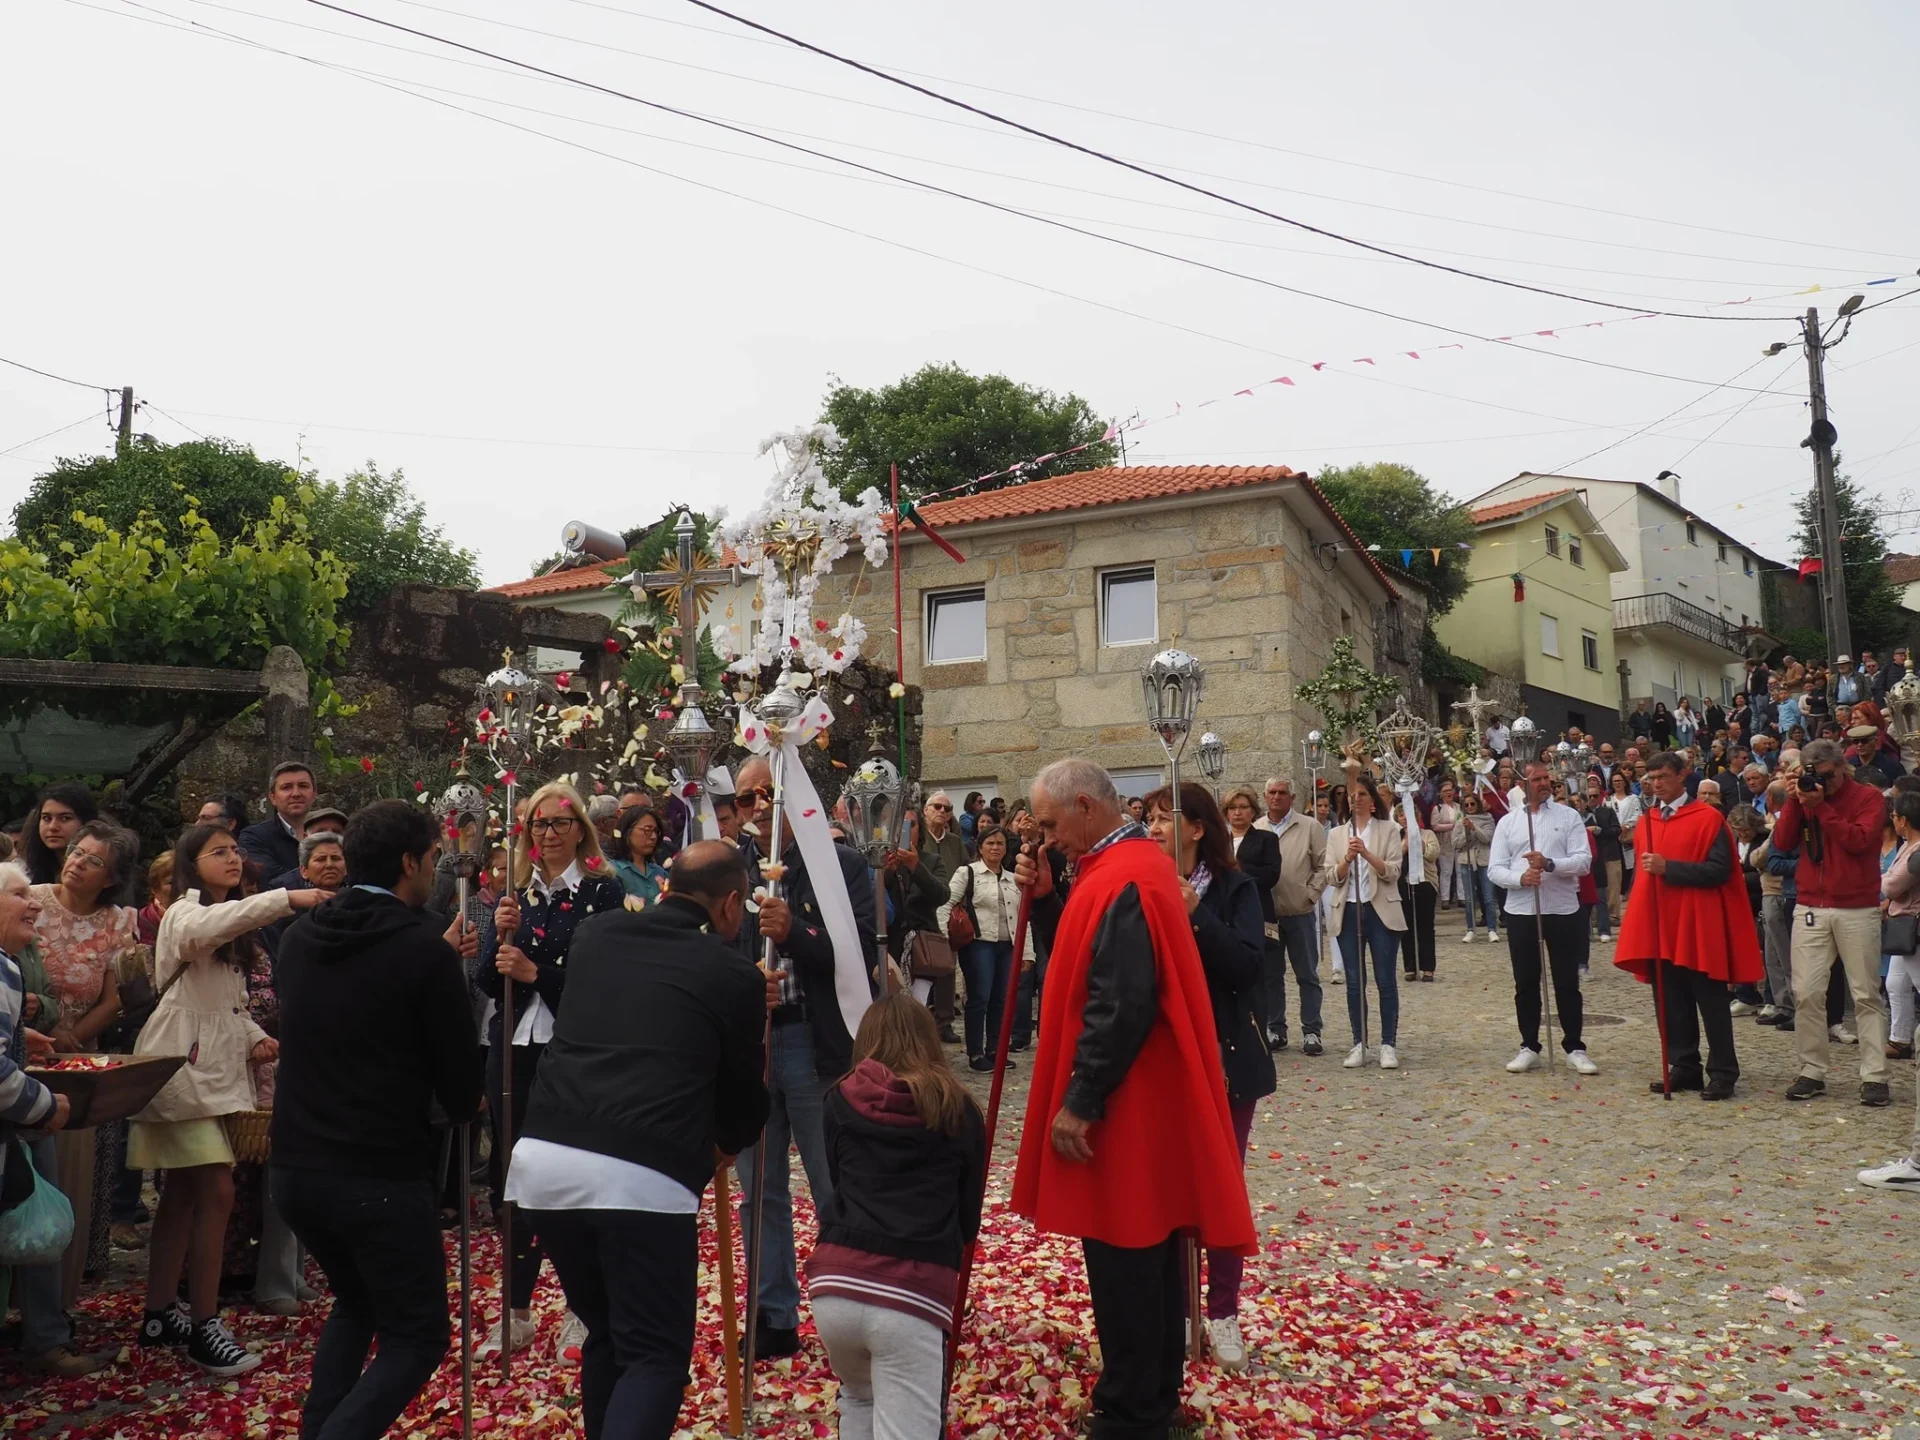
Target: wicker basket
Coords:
[(249, 1133)]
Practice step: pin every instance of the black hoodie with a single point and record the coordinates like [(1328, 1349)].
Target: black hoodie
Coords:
[(375, 1025)]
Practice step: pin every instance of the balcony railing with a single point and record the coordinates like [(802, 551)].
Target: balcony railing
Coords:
[(1638, 612)]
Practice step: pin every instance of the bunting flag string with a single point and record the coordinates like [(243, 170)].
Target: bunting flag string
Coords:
[(1117, 428)]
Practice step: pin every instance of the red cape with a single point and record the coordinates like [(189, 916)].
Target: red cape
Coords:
[(1706, 930), (1164, 1158)]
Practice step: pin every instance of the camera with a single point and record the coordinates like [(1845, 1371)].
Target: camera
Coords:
[(1809, 782)]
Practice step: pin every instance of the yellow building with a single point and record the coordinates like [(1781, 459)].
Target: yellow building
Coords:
[(1539, 609)]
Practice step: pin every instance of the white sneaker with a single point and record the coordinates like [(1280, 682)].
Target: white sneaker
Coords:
[(1769, 1012), (1840, 1035), (1582, 1062), (572, 1340), (1223, 1339), (522, 1337), (1523, 1062), (1339, 976), (1356, 1057), (1389, 1058), (1741, 1007), (1467, 939), (1894, 1175)]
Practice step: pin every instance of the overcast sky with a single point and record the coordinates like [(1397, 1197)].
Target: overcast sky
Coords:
[(317, 264)]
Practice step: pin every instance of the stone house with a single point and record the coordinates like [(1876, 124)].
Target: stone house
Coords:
[(1032, 648)]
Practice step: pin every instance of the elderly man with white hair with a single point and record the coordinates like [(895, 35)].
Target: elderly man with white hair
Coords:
[(944, 851)]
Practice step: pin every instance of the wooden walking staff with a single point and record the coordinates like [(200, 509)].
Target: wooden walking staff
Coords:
[(729, 1302)]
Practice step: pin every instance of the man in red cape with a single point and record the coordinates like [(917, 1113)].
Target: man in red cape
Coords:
[(1128, 1138), (1688, 930)]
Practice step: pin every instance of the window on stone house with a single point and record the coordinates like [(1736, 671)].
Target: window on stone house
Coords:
[(1553, 540), (1692, 538), (1720, 552), (1550, 636), (1575, 553), (1746, 562), (956, 625), (1129, 607), (1590, 649), (1134, 784)]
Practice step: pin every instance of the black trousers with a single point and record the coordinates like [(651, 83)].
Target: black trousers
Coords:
[(1421, 901), (631, 1275), (1697, 1002), (379, 1243), (1139, 1311), (525, 1270), (1565, 935)]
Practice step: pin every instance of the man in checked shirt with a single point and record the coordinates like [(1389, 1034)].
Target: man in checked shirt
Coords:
[(810, 1046)]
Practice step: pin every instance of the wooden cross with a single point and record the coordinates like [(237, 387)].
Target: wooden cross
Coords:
[(1477, 708), (685, 590)]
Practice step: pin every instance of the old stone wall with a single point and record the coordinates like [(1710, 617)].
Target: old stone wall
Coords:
[(409, 677), (1238, 584)]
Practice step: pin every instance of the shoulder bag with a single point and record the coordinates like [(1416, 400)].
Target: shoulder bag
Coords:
[(961, 927)]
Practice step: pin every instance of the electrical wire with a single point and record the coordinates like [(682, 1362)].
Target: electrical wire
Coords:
[(58, 430), (149, 405), (1151, 173), (1561, 469), (995, 205), (49, 375), (1733, 417)]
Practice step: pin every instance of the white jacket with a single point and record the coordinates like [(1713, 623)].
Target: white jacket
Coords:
[(996, 903)]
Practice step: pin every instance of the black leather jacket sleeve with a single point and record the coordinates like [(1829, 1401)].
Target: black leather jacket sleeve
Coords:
[(1707, 873), (1122, 1005)]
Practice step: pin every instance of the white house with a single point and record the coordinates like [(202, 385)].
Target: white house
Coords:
[(1688, 603)]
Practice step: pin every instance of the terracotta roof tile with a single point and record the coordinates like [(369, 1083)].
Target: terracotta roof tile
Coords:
[(1119, 485), (1903, 569), (1507, 509), (558, 582)]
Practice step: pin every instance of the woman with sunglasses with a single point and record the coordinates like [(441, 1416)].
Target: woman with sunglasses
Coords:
[(560, 878)]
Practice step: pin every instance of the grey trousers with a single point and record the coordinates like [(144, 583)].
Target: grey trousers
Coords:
[(281, 1263), (1776, 922), (889, 1364)]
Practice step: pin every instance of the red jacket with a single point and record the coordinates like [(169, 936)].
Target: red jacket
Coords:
[(1839, 845)]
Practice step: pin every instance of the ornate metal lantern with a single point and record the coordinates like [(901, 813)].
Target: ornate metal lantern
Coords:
[(511, 696), (1903, 715), (692, 740), (876, 799), (1213, 757), (1523, 739), (1171, 684), (1313, 753)]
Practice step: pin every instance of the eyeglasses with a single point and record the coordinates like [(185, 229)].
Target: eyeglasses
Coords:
[(758, 795), (86, 861), (551, 825), (940, 805)]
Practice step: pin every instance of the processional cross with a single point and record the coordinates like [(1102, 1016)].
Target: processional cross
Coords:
[(686, 589)]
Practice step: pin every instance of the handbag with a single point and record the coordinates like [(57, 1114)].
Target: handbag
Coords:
[(961, 929), (930, 956), (38, 1230), (1899, 934)]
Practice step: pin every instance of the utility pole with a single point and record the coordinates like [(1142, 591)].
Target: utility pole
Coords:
[(126, 421), (1820, 438)]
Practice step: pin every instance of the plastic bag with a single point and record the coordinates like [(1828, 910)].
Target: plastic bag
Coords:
[(38, 1230)]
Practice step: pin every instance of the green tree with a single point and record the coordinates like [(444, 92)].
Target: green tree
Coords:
[(1874, 612), (944, 427), (370, 521), (1397, 508)]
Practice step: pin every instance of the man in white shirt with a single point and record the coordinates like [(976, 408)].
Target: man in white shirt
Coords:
[(1539, 853), (1497, 736)]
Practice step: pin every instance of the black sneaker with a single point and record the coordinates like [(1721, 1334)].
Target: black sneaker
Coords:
[(1718, 1088), (217, 1352), (1807, 1089), (1277, 1041), (1678, 1082), (166, 1329), (771, 1342), (1312, 1046), (981, 1064), (1873, 1094)]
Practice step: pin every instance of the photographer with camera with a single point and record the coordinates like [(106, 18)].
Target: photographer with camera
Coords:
[(1837, 824)]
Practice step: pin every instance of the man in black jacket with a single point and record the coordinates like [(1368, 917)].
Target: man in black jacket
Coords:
[(274, 843), (374, 1028), (653, 1073), (812, 1048)]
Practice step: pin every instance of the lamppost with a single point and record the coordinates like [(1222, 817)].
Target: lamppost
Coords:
[(876, 799), (1171, 685), (1213, 760)]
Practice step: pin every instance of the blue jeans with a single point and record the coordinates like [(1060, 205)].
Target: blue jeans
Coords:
[(1479, 887), (43, 1324), (379, 1243), (799, 1102), (985, 963), (1298, 945), (1384, 945), (1032, 981)]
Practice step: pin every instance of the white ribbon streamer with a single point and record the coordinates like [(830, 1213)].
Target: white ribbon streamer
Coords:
[(807, 820)]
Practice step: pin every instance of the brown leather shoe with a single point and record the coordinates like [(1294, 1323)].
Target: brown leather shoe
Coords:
[(69, 1363)]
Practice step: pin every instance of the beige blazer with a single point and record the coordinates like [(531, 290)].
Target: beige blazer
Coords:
[(1383, 839), (203, 1013)]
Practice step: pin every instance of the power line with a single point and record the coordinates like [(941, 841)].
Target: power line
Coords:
[(1258, 145), (58, 430), (49, 375), (1730, 419), (995, 205), (1562, 469), (1153, 174)]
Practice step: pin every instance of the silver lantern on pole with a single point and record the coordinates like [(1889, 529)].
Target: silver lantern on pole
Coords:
[(1523, 740), (876, 799), (1212, 753), (1903, 716)]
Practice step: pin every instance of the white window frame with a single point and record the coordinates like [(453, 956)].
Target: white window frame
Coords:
[(1550, 623), (1134, 783), (1746, 562), (1128, 574), (1720, 554), (1590, 645), (1576, 552), (1693, 536), (931, 603), (1553, 540)]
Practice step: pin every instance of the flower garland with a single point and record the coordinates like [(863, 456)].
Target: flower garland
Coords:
[(793, 541), (1345, 676)]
